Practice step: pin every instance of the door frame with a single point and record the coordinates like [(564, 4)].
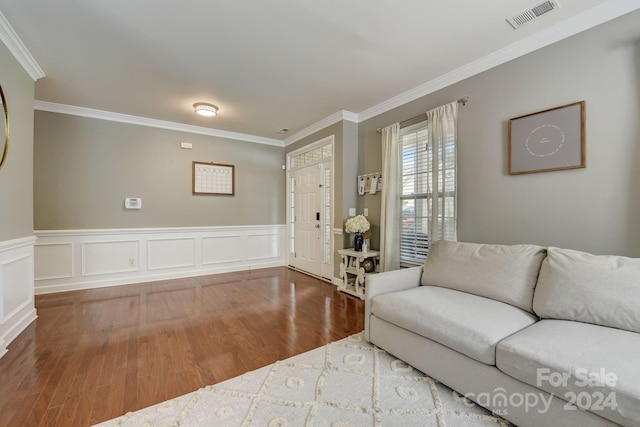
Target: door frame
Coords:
[(327, 270)]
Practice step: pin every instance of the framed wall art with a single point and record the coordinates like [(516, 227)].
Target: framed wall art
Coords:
[(548, 140), (213, 178)]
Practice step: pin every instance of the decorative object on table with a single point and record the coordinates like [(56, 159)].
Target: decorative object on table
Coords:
[(358, 225), (368, 265), (357, 242), (366, 244), (548, 140)]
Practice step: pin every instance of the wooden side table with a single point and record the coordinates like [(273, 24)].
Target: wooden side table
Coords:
[(352, 272)]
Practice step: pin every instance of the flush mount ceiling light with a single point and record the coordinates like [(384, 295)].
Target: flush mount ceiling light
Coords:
[(205, 109)]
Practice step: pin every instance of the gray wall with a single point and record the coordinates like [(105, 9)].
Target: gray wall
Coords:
[(16, 175), (596, 209), (84, 168)]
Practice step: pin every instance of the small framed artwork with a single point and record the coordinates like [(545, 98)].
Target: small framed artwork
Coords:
[(548, 140), (213, 178)]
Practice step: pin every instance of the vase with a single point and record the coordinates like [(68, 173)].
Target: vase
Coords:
[(357, 242)]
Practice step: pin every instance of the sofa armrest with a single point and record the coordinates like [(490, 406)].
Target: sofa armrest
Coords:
[(389, 281)]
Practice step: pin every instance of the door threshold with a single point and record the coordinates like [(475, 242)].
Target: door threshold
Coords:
[(326, 279)]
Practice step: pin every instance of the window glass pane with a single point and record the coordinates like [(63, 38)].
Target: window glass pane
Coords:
[(327, 245), (408, 217), (408, 185), (408, 160), (292, 246), (415, 194), (326, 151), (327, 215), (423, 183), (418, 191), (312, 156)]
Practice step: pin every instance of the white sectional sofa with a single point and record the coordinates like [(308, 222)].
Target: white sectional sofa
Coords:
[(526, 331)]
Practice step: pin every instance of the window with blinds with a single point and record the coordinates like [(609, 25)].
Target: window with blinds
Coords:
[(417, 192)]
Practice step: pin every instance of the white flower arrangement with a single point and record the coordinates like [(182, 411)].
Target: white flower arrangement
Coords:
[(357, 224)]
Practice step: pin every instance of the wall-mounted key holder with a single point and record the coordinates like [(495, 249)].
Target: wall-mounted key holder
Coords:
[(369, 184)]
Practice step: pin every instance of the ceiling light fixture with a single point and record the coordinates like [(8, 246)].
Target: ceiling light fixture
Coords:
[(205, 109)]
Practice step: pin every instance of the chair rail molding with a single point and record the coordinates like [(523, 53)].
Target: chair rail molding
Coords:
[(68, 260), (17, 307)]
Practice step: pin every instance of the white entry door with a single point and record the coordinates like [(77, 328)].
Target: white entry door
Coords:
[(307, 223)]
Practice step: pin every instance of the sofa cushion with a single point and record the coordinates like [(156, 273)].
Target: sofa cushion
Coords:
[(506, 273), (603, 290), (596, 361), (467, 323)]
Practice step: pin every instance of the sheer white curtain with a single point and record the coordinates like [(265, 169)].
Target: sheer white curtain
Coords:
[(442, 125), (390, 203)]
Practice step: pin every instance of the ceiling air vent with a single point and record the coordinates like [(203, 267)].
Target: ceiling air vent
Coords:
[(532, 13)]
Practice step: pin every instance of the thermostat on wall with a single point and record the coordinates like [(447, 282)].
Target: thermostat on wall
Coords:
[(132, 203)]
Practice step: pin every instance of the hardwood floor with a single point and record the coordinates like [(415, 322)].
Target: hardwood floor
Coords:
[(94, 355)]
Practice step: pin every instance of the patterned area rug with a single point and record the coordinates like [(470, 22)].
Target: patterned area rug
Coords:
[(346, 383)]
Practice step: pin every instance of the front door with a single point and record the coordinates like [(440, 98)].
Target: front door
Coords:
[(307, 224)]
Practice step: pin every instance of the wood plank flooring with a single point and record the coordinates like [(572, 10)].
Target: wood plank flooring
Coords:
[(94, 355)]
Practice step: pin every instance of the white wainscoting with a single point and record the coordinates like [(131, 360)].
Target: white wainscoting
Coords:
[(67, 260), (17, 309)]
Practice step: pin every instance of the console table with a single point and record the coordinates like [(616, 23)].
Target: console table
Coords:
[(352, 273)]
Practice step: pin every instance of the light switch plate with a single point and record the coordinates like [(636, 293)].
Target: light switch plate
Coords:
[(366, 212), (352, 211)]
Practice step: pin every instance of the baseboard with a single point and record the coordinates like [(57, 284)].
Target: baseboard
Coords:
[(17, 326), (95, 284), (69, 260)]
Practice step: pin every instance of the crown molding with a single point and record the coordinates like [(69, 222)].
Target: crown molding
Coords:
[(582, 22), (144, 121), (19, 50), (342, 115), (350, 117)]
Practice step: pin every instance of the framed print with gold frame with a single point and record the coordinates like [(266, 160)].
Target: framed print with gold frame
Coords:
[(548, 140)]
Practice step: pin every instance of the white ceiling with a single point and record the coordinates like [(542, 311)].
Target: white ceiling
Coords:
[(274, 64)]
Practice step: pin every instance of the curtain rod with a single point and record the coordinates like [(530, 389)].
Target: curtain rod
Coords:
[(462, 101)]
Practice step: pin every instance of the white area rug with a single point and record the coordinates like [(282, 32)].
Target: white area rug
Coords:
[(346, 383)]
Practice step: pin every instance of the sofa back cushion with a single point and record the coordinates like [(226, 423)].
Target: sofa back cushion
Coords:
[(506, 273), (598, 289)]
